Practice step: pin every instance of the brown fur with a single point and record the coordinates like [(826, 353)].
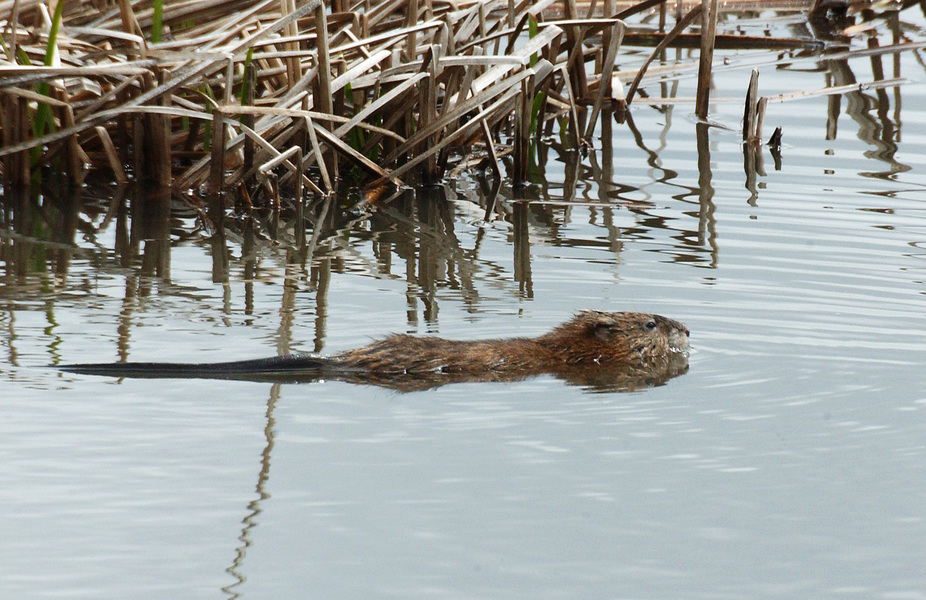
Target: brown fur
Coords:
[(603, 350), (589, 339)]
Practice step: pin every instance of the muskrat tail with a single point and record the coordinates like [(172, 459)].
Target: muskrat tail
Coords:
[(292, 367)]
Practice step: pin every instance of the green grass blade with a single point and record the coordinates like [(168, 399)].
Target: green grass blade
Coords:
[(53, 34), (42, 121), (157, 21)]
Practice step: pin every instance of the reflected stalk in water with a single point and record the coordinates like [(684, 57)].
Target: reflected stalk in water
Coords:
[(254, 507), (220, 258), (652, 156), (888, 138), (572, 160), (320, 281), (893, 22), (431, 205), (833, 106), (491, 198), (878, 132), (606, 172), (249, 258), (284, 333), (706, 223), (151, 225), (753, 167), (522, 250)]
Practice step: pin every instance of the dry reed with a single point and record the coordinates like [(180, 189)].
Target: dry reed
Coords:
[(208, 96)]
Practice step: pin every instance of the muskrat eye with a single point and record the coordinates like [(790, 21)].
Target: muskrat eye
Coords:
[(651, 324)]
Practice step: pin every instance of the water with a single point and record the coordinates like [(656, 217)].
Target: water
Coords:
[(787, 462)]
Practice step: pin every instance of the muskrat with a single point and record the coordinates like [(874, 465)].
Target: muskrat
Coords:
[(622, 350)]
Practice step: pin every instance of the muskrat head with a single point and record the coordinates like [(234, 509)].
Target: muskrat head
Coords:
[(629, 337)]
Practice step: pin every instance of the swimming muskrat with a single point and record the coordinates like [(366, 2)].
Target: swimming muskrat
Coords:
[(614, 350)]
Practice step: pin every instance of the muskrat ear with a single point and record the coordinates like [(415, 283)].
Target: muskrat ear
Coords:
[(604, 328)]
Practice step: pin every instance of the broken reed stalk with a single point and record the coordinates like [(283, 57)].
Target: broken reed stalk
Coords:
[(751, 109), (389, 88), (217, 166), (522, 132), (706, 58), (247, 99), (15, 132), (427, 112), (323, 94), (612, 44)]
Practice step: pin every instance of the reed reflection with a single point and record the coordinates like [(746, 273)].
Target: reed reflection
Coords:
[(37, 233), (706, 223), (592, 183), (878, 125), (255, 507)]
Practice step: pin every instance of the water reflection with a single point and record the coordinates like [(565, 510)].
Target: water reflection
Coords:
[(37, 237), (255, 506), (706, 233)]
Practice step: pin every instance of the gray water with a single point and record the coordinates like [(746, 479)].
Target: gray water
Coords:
[(788, 462)]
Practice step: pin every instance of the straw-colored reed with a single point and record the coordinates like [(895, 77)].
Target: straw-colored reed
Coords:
[(245, 96)]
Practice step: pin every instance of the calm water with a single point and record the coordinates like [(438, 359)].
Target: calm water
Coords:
[(788, 462)]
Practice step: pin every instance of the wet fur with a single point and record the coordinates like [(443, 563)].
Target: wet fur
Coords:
[(628, 346), (590, 338)]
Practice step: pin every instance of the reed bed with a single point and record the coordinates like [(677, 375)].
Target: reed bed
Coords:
[(234, 100)]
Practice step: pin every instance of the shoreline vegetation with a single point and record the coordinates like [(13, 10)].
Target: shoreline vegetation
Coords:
[(226, 103)]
